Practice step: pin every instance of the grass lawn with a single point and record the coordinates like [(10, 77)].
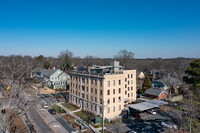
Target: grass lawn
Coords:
[(58, 109), (84, 115), (70, 106)]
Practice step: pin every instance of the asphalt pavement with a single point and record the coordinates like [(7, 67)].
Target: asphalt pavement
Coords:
[(39, 124), (64, 123)]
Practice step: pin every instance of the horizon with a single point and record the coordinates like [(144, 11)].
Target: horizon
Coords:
[(149, 29)]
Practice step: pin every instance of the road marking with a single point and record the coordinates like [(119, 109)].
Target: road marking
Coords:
[(46, 121)]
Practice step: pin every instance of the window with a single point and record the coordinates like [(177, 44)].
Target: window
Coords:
[(113, 82), (125, 92), (131, 81), (119, 107), (91, 81), (100, 101), (76, 92), (91, 107), (119, 90), (113, 108), (91, 90), (100, 110), (95, 91), (119, 82), (119, 99), (73, 91), (108, 92), (95, 99), (125, 85), (108, 83), (108, 110), (128, 94), (113, 91), (101, 83), (128, 82), (95, 82), (100, 92), (131, 87), (87, 97), (87, 81), (128, 88), (95, 107), (108, 100), (87, 89), (91, 98), (131, 94), (128, 76), (113, 100), (131, 75), (125, 79)]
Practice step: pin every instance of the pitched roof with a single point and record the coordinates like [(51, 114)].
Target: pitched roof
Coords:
[(169, 80), (154, 92), (46, 72)]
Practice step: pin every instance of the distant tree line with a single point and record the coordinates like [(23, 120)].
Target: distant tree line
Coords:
[(66, 61)]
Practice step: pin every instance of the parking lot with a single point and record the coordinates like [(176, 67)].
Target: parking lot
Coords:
[(149, 123)]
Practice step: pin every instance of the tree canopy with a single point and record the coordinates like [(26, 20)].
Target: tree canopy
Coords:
[(124, 57), (193, 75), (146, 84)]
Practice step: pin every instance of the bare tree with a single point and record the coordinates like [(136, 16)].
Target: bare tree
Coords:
[(13, 71), (125, 57), (64, 60)]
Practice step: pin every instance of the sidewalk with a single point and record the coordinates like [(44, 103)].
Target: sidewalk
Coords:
[(78, 118)]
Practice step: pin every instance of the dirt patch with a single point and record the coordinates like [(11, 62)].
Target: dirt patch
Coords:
[(18, 125)]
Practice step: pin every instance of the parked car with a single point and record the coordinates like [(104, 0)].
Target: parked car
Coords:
[(151, 111), (132, 131), (45, 105), (169, 124), (52, 111)]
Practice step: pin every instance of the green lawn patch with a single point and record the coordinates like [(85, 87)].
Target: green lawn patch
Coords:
[(70, 106), (58, 109)]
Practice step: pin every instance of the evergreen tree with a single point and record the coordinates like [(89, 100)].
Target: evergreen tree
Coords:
[(193, 76), (46, 64), (146, 84)]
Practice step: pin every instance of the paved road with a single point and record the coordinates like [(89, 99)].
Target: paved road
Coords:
[(39, 124), (64, 123)]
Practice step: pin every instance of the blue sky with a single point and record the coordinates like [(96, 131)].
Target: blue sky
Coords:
[(148, 28)]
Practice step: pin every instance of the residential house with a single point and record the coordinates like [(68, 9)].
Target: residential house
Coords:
[(54, 78), (154, 93)]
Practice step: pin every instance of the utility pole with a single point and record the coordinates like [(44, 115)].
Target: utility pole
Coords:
[(103, 107)]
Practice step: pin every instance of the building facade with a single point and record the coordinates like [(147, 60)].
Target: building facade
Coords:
[(98, 90)]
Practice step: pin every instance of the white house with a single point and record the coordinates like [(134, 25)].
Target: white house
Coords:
[(54, 78)]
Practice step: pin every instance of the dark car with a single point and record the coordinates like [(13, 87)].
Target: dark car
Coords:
[(52, 111)]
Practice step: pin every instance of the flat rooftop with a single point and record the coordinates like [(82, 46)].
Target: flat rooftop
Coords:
[(147, 105)]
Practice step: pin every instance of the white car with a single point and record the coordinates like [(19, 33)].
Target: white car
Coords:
[(45, 105), (132, 131), (169, 124), (152, 111)]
